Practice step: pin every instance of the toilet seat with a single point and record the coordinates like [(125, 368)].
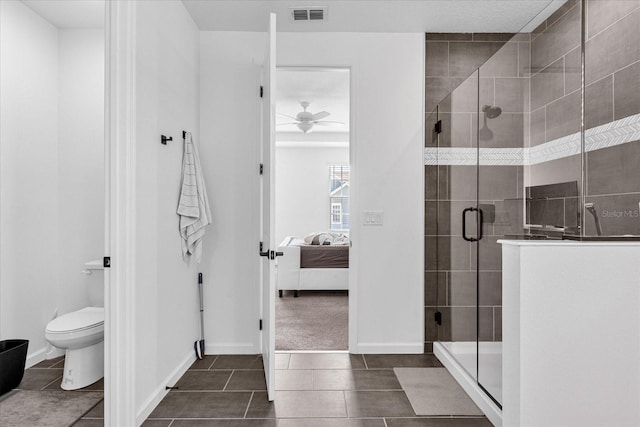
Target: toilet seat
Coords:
[(77, 321)]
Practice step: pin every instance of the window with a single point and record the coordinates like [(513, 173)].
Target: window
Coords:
[(339, 197), (336, 214)]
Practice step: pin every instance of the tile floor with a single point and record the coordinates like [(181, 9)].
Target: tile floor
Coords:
[(313, 390)]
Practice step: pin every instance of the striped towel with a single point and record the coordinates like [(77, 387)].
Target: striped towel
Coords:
[(193, 206)]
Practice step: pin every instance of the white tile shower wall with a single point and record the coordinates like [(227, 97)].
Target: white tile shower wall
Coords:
[(52, 170), (167, 95), (387, 85)]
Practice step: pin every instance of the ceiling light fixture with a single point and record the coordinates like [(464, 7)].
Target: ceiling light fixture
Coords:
[(305, 120)]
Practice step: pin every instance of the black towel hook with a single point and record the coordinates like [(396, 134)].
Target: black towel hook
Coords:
[(165, 139)]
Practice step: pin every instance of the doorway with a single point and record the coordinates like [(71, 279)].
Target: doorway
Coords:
[(53, 206), (312, 175)]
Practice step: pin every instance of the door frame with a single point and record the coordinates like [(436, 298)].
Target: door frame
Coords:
[(120, 210), (353, 198)]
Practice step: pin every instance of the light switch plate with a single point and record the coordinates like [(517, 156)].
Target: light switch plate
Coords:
[(372, 217)]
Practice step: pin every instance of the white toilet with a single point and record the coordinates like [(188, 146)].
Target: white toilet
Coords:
[(81, 334)]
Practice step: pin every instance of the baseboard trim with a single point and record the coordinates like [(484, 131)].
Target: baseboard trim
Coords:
[(35, 357), (242, 348), (160, 392), (469, 385), (390, 348), (53, 352)]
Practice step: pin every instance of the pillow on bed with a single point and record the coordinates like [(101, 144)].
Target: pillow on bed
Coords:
[(327, 238)]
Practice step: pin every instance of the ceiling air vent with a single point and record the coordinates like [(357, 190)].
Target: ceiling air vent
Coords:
[(316, 14), (309, 14)]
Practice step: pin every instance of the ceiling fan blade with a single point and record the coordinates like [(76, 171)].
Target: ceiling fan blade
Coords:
[(286, 115), (328, 123), (319, 116), (282, 124)]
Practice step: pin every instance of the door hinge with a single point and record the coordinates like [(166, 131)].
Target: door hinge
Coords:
[(438, 318), (260, 324), (106, 262), (438, 127), (261, 91), (261, 168)]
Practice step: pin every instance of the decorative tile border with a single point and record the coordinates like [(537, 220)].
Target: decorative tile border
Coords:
[(608, 135)]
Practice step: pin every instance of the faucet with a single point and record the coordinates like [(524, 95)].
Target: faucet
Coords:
[(592, 210)]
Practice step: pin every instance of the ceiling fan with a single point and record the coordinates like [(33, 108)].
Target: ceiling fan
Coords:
[(305, 120)]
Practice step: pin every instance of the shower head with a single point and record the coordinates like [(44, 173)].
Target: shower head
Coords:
[(491, 112)]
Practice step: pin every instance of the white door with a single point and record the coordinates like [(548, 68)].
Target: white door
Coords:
[(268, 209)]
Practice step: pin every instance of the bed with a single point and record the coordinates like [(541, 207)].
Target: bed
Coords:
[(311, 267)]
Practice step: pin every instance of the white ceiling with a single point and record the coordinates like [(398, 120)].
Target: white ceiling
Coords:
[(326, 90), (342, 15), (373, 16), (70, 13)]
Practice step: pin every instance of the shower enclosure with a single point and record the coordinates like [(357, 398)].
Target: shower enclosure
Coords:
[(541, 141)]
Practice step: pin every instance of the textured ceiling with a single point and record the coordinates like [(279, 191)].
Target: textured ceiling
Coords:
[(342, 15), (326, 90), (374, 16)]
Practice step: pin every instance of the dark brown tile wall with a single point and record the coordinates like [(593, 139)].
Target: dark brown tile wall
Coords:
[(536, 79), (450, 262), (555, 91), (612, 66), (451, 58), (612, 92)]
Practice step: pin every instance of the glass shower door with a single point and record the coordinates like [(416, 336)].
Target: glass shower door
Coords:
[(457, 215), (503, 108)]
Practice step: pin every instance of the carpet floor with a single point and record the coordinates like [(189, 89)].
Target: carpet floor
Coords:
[(317, 320)]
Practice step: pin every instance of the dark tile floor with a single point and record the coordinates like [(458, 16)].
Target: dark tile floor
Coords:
[(312, 390), (47, 376)]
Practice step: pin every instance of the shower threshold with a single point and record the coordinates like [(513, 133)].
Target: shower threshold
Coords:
[(460, 360)]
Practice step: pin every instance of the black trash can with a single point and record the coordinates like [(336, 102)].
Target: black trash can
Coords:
[(13, 355)]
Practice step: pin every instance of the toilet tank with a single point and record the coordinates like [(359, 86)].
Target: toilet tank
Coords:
[(95, 282)]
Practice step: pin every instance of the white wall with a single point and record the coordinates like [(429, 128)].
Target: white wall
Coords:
[(387, 132), (29, 156), (563, 388), (229, 81), (167, 97), (302, 188), (80, 164), (52, 171), (387, 138)]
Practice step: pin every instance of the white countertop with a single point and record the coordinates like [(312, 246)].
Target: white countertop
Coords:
[(566, 243)]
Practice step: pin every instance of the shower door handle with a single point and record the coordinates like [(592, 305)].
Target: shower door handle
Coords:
[(464, 224)]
